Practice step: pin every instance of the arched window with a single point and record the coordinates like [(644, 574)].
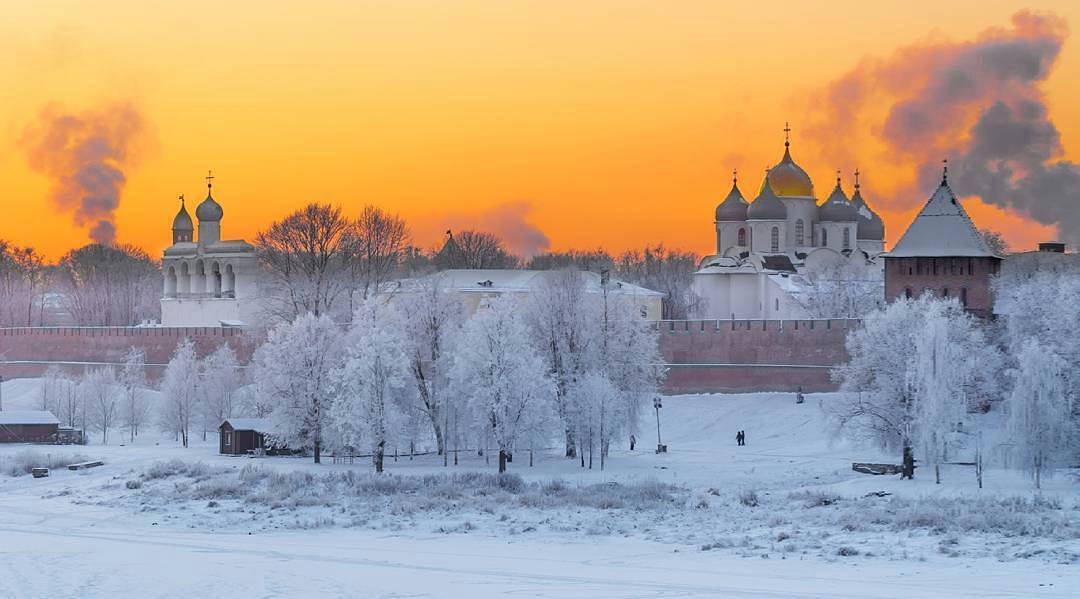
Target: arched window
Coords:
[(963, 296), (742, 237), (774, 244), (907, 292), (824, 238), (799, 239), (847, 238)]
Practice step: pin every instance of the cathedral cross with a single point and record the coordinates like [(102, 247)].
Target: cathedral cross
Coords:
[(856, 178), (787, 133), (209, 179)]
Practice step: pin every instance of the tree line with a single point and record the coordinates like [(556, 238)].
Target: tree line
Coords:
[(415, 370)]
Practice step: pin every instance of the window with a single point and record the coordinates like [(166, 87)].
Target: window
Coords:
[(228, 439), (775, 242), (847, 238), (963, 296), (824, 238), (742, 237), (799, 238)]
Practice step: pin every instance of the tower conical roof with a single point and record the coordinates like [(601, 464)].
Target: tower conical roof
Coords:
[(942, 228)]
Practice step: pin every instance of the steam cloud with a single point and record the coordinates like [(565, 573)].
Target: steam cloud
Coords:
[(507, 221), (84, 155), (977, 103)]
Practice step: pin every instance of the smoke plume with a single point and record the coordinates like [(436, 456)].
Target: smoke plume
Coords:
[(979, 104), (85, 155), (507, 221)]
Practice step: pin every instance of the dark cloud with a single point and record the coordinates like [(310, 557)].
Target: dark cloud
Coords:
[(85, 155), (979, 104)]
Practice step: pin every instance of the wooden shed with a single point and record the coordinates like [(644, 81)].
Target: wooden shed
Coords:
[(28, 426), (239, 436)]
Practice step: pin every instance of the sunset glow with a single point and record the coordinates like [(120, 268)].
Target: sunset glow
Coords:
[(610, 124)]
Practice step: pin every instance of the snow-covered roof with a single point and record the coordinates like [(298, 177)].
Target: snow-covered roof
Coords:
[(27, 417), (514, 281), (250, 424), (942, 228)]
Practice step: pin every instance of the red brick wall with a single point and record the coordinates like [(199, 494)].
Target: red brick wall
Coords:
[(754, 355), (27, 351), (702, 356), (938, 274)]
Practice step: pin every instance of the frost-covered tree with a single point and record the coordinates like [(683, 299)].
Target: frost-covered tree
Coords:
[(221, 377), (294, 369), (370, 382), (501, 377), (180, 391), (564, 323), (51, 391), (102, 399), (841, 290), (629, 357), (915, 369), (136, 408), (67, 403), (603, 413), (1040, 411), (431, 323)]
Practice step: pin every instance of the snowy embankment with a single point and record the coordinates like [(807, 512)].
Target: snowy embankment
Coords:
[(788, 497)]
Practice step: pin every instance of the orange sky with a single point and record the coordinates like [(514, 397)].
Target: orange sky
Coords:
[(617, 121)]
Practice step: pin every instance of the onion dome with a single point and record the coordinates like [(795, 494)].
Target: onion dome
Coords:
[(788, 179), (767, 206), (182, 221), (871, 226), (837, 208), (209, 210), (734, 206)]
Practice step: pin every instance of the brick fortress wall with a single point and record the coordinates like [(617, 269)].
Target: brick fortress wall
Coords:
[(700, 355), (26, 352)]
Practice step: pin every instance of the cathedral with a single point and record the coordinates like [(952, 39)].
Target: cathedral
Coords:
[(780, 255), (209, 282)]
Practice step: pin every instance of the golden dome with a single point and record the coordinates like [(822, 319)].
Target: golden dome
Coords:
[(787, 179)]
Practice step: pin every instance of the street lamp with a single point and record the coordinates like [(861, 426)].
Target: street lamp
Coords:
[(660, 447)]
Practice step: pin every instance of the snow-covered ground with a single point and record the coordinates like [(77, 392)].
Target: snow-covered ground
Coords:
[(782, 517)]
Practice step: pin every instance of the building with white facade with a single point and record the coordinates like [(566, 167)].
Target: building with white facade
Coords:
[(209, 282), (475, 288), (784, 256)]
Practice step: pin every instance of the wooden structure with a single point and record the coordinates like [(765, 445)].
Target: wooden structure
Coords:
[(28, 426), (241, 436)]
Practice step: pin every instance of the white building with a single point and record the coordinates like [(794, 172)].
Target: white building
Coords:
[(476, 287), (208, 282), (784, 256)]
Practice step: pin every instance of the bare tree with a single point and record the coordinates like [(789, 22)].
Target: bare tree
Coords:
[(110, 285), (22, 278), (376, 245), (995, 241), (133, 382), (102, 399), (668, 271), (474, 249), (306, 254)]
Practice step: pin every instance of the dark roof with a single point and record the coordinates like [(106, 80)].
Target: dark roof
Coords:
[(778, 262)]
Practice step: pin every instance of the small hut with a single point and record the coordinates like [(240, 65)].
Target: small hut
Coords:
[(240, 436), (28, 426)]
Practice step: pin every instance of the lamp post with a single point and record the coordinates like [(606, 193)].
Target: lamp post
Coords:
[(660, 447), (1, 393)]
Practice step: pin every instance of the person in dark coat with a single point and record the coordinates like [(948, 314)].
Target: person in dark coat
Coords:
[(633, 442)]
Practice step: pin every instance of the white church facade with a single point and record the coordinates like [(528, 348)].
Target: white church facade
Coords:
[(209, 282), (784, 256)]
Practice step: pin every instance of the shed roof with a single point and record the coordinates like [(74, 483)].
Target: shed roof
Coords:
[(260, 425), (10, 417)]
